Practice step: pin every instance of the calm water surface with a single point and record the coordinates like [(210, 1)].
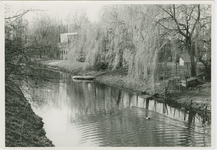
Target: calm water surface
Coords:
[(93, 114)]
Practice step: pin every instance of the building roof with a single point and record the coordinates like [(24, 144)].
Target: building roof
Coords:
[(68, 34), (184, 56)]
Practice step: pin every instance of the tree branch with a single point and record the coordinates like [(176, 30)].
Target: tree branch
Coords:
[(197, 20)]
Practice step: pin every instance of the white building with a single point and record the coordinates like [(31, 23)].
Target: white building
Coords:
[(67, 37), (67, 43)]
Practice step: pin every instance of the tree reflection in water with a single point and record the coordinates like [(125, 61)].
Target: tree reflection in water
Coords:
[(94, 114)]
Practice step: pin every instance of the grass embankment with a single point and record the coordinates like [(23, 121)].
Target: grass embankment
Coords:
[(200, 99), (63, 65), (23, 128)]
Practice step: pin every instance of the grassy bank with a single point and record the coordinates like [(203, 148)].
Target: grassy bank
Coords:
[(201, 99), (23, 128), (63, 65)]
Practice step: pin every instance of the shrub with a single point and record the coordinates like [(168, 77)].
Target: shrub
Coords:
[(101, 66)]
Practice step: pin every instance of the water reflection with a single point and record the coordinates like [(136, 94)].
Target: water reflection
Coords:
[(93, 114)]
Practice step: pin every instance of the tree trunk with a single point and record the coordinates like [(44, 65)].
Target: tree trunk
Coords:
[(207, 69), (192, 57), (120, 59), (193, 66)]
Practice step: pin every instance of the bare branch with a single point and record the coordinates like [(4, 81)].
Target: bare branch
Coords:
[(197, 21)]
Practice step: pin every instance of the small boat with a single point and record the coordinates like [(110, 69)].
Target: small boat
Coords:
[(83, 77), (76, 80)]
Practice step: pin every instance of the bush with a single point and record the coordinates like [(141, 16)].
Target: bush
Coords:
[(101, 66), (81, 59)]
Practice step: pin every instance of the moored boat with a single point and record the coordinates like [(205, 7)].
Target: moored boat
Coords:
[(83, 77)]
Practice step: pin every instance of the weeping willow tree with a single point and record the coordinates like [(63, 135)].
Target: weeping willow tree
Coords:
[(127, 36), (146, 43), (117, 36), (77, 23), (131, 36), (94, 46)]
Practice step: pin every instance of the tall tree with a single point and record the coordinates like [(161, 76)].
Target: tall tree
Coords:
[(186, 23), (16, 52), (45, 33)]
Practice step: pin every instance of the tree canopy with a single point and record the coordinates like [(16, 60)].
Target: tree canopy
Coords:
[(136, 38)]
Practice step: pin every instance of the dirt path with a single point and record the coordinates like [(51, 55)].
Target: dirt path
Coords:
[(54, 63), (64, 65)]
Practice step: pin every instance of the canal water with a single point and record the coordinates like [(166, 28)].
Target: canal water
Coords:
[(90, 114)]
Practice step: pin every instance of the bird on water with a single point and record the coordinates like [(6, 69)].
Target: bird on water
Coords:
[(147, 118)]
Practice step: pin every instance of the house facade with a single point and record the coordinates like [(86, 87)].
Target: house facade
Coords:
[(67, 44), (184, 59), (183, 64)]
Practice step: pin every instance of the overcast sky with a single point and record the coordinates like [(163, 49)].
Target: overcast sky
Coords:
[(61, 9), (58, 9)]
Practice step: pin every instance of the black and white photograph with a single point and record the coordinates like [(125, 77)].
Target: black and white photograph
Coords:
[(108, 74)]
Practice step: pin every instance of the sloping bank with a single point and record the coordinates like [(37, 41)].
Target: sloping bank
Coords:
[(200, 101), (192, 100), (23, 128)]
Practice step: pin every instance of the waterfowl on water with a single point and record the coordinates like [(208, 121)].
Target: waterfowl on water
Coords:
[(147, 118), (156, 95)]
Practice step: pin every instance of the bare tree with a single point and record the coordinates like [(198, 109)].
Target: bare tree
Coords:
[(187, 23), (44, 36)]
